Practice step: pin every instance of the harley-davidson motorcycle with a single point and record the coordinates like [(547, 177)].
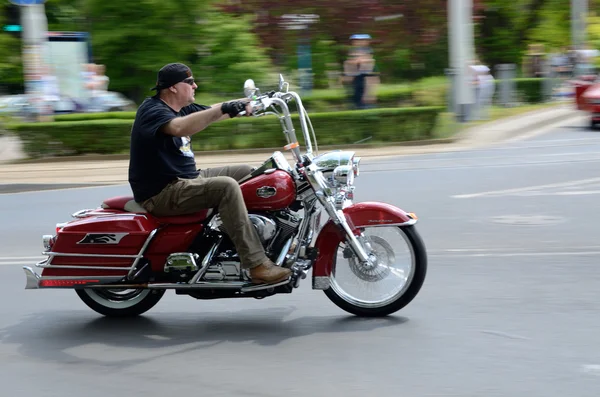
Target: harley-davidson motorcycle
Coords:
[(367, 257)]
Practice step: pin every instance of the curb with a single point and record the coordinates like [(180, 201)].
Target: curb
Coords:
[(536, 119), (540, 124)]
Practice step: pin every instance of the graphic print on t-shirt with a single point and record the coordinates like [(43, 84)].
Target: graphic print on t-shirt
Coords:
[(186, 147)]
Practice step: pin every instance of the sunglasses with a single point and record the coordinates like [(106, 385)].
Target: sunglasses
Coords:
[(189, 80)]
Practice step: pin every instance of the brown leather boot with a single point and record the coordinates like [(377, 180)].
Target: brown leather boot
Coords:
[(268, 273)]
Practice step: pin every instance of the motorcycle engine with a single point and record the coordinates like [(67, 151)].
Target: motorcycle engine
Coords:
[(273, 233), (265, 227)]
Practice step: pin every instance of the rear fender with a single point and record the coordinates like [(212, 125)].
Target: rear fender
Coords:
[(367, 214)]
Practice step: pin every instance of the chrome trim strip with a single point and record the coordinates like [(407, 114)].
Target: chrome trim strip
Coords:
[(321, 282), (45, 261), (31, 277), (140, 254), (51, 254), (84, 267)]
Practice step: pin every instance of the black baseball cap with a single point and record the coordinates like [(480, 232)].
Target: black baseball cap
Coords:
[(171, 74)]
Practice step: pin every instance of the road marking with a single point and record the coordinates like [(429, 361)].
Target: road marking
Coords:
[(19, 263), (507, 192), (7, 258), (20, 260), (516, 254), (592, 369), (104, 185), (505, 334), (480, 166)]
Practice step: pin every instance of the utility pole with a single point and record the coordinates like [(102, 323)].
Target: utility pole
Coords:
[(34, 37), (460, 15), (579, 13)]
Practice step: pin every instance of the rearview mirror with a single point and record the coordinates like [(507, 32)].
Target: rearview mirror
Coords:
[(249, 88)]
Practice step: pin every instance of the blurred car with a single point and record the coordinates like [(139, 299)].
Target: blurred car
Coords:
[(587, 98), (21, 106), (17, 106), (111, 101)]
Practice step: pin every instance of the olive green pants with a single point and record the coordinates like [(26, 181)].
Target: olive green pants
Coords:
[(214, 188)]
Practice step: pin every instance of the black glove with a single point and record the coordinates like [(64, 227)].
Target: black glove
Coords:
[(233, 108)]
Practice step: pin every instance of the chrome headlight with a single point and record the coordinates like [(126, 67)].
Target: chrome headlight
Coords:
[(344, 174)]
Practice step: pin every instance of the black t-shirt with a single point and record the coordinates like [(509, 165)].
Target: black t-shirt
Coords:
[(155, 157)]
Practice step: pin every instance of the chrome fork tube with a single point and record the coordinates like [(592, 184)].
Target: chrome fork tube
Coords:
[(284, 251), (351, 238)]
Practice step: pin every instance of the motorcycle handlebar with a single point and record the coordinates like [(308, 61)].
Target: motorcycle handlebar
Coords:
[(266, 100)]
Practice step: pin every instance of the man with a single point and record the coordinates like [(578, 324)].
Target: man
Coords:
[(162, 168)]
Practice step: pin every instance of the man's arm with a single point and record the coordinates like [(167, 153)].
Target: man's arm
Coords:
[(197, 121), (194, 123)]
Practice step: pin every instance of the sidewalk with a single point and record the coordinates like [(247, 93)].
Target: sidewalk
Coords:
[(113, 169)]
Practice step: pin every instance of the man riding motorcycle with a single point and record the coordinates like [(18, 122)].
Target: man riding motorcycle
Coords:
[(162, 168)]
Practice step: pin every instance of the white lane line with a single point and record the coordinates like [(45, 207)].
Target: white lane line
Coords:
[(17, 263), (105, 185), (521, 249), (592, 369), (528, 188), (516, 254), (20, 260), (8, 258), (480, 166)]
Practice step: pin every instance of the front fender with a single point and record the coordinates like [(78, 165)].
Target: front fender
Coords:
[(358, 215)]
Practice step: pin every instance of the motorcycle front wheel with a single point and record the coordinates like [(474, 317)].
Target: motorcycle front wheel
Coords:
[(387, 285), (120, 302)]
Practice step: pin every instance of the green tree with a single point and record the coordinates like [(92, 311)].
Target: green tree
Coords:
[(135, 42), (594, 35), (228, 54)]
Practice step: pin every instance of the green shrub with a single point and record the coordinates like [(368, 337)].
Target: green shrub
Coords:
[(530, 90), (111, 136), (95, 116)]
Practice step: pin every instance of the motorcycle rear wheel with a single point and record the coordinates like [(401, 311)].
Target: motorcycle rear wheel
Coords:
[(120, 302), (404, 285)]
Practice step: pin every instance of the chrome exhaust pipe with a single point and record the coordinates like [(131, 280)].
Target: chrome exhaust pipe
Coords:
[(32, 278), (233, 285)]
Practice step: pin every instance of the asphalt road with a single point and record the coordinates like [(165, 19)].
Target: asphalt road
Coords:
[(509, 308)]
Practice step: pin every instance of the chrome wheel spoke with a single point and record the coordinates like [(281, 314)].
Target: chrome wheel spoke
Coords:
[(372, 286)]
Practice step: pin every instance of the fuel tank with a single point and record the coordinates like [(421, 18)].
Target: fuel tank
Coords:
[(272, 190)]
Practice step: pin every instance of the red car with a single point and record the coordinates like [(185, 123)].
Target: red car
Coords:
[(587, 96)]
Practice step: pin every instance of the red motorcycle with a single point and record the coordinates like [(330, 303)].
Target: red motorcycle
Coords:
[(120, 259)]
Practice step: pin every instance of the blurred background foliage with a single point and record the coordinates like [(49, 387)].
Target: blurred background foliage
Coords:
[(228, 41)]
